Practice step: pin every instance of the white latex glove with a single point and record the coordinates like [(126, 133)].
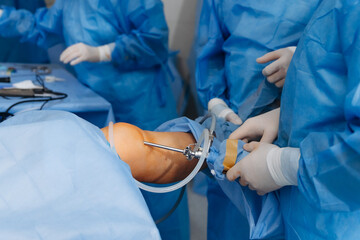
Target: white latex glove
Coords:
[(283, 164), (253, 169), (221, 110), (81, 52), (264, 127), (267, 167), (1, 12), (276, 71)]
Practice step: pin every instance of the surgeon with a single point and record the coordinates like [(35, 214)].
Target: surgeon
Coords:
[(315, 160), (11, 49), (235, 39), (243, 51), (120, 50), (122, 56)]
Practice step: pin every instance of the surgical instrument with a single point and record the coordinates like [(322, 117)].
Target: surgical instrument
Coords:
[(188, 151), (200, 151)]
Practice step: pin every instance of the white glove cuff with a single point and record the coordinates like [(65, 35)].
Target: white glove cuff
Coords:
[(105, 52), (293, 49), (215, 101), (273, 160), (283, 164), (219, 107), (290, 164), (225, 112)]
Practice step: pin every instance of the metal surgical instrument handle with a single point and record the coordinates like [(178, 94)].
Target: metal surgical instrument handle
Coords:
[(188, 152)]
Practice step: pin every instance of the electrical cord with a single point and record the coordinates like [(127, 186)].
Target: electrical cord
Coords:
[(42, 106), (6, 114), (173, 208), (40, 80), (39, 71), (62, 96)]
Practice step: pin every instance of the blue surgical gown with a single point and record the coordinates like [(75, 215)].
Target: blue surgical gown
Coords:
[(11, 50), (226, 219), (320, 114), (231, 35), (135, 82)]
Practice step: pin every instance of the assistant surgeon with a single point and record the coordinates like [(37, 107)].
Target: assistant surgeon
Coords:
[(315, 160), (120, 50), (235, 39)]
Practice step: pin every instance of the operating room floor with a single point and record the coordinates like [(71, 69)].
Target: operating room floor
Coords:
[(198, 214)]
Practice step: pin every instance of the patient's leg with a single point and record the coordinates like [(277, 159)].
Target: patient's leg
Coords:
[(150, 164)]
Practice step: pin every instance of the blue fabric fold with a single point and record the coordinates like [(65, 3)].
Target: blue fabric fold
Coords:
[(59, 179), (262, 212)]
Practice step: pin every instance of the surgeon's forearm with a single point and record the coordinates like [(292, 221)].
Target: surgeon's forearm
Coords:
[(150, 164)]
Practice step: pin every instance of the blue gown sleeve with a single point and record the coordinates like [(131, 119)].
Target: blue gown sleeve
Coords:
[(144, 43), (329, 167), (44, 28), (210, 64)]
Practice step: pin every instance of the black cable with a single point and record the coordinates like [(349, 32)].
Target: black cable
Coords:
[(43, 89), (63, 96), (42, 106), (40, 80), (21, 102), (7, 113), (4, 116), (174, 207)]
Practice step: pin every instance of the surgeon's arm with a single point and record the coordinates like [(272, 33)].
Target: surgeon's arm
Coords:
[(144, 43), (329, 169), (44, 28), (150, 164)]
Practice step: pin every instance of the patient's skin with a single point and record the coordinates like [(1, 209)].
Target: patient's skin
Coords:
[(151, 164)]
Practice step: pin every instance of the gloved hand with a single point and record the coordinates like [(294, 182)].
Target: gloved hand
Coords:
[(276, 71), (1, 12), (253, 169), (81, 52), (267, 167), (264, 127), (221, 110)]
